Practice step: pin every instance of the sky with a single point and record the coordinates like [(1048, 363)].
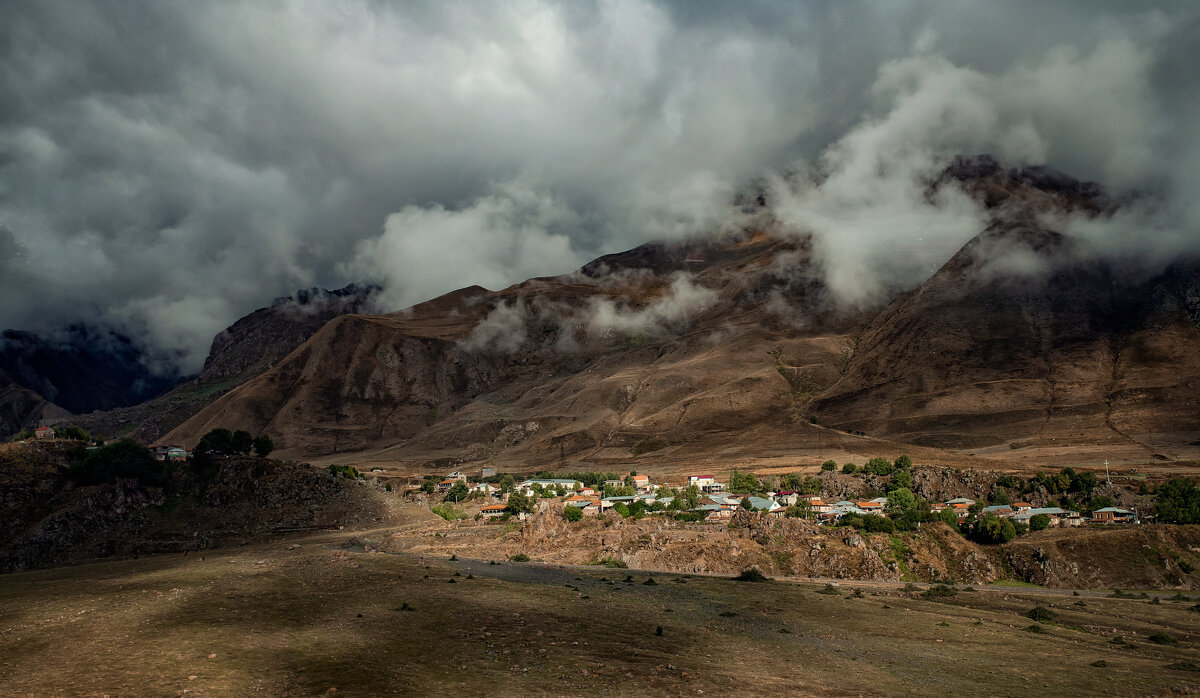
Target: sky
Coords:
[(167, 166)]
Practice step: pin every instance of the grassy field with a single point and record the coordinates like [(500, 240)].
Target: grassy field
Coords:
[(320, 616)]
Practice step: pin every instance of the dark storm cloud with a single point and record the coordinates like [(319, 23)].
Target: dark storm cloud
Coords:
[(169, 166)]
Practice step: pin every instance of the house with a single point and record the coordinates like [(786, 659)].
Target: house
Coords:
[(641, 482), (486, 473), (445, 485), (1001, 510), (493, 511), (547, 484), (706, 483), (787, 498), (484, 488), (43, 433), (961, 501), (1021, 506), (1109, 515), (456, 476), (1055, 514), (177, 454)]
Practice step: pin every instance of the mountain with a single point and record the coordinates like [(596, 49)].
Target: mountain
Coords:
[(20, 407), (79, 369), (1022, 339), (1024, 346), (238, 353)]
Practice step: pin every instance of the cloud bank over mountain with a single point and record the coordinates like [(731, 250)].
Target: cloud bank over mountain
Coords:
[(167, 167)]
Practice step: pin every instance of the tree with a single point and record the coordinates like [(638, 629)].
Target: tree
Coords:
[(458, 492), (949, 516), (746, 504), (829, 465), (901, 499), (903, 463), (123, 459), (263, 446), (573, 513), (879, 466), (71, 432), (993, 529), (217, 441), (1178, 501), (810, 485), (743, 482), (849, 468), (800, 510), (428, 486), (518, 502), (691, 497), (901, 479), (791, 482), (241, 442), (507, 483), (1039, 522)]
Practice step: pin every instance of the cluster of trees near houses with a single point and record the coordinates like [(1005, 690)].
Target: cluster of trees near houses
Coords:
[(131, 460)]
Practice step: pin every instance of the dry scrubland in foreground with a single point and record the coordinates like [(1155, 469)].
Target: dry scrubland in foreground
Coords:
[(304, 618)]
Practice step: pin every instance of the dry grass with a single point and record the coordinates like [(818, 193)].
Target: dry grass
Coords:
[(288, 621)]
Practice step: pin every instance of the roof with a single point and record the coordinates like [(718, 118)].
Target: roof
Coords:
[(43, 429), (701, 477), (494, 507), (548, 481), (1113, 510), (784, 493), (961, 500)]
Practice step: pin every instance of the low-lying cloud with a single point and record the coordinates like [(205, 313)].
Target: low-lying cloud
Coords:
[(168, 167)]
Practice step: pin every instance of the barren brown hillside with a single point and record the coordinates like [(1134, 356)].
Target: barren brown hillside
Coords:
[(1025, 350)]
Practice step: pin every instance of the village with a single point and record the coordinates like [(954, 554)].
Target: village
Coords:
[(704, 499)]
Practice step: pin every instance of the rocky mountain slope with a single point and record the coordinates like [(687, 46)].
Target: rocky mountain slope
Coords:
[(240, 352), (1023, 348)]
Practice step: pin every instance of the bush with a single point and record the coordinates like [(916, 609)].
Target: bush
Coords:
[(829, 465), (347, 471), (830, 590), (263, 446), (1162, 639), (940, 591), (879, 466), (448, 512), (689, 516), (994, 530), (752, 574), (1183, 666), (519, 557), (573, 513), (72, 432), (1041, 614), (1039, 522), (849, 468), (1036, 629)]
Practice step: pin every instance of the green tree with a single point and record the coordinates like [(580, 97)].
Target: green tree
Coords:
[(829, 465), (518, 502), (949, 516), (691, 497), (458, 492), (903, 463), (241, 442), (993, 530), (573, 513), (810, 485), (428, 486), (1039, 522), (124, 459), (72, 432), (743, 482), (507, 483), (217, 442), (879, 466), (849, 468), (791, 482), (1178, 501), (902, 499), (746, 504), (901, 479), (263, 446)]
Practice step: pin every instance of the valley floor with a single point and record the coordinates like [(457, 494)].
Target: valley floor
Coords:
[(316, 613)]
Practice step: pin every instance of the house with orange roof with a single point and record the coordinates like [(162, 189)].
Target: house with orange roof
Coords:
[(494, 511)]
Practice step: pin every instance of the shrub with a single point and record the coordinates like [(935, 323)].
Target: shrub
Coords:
[(849, 468), (519, 557), (650, 582), (752, 574), (573, 513), (829, 465), (263, 446), (611, 562), (879, 466), (1036, 629), (1039, 522), (993, 530), (1186, 567), (1100, 663), (830, 590), (448, 512), (1041, 614), (347, 471), (1183, 666), (1178, 501), (940, 591), (1162, 639)]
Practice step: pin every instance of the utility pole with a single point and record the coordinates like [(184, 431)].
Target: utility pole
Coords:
[(1106, 475)]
